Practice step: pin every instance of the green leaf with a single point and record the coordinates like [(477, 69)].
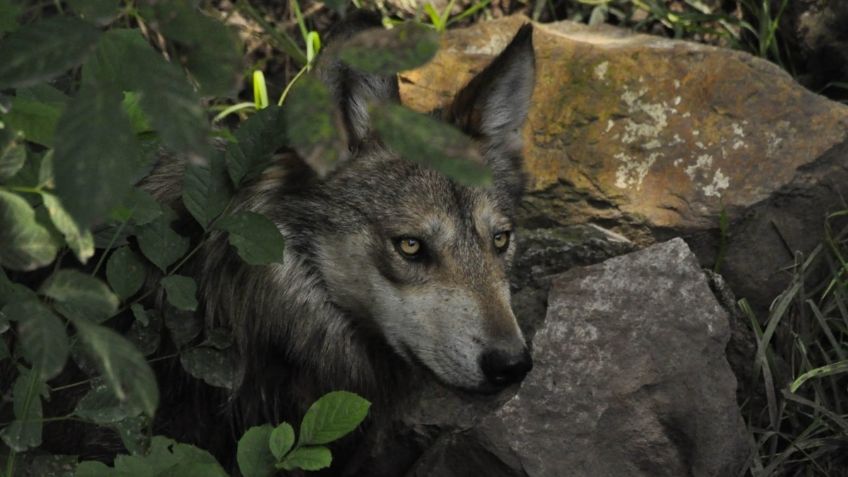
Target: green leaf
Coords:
[(79, 240), (101, 406), (9, 12), (138, 206), (184, 326), (256, 141), (45, 49), (332, 416), (26, 244), (839, 367), (125, 60), (122, 366), (94, 158), (132, 106), (12, 155), (181, 292), (125, 272), (42, 335), (206, 189), (281, 440), (35, 118), (101, 12), (25, 431), (160, 244), (213, 366), (165, 458), (307, 458), (210, 50), (309, 116), (387, 52), (45, 171), (430, 142), (195, 469), (93, 468), (133, 432), (253, 455), (78, 295), (256, 239), (11, 292), (140, 314), (145, 337)]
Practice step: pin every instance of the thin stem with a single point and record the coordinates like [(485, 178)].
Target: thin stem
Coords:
[(69, 386), (111, 242), (291, 83), (44, 419)]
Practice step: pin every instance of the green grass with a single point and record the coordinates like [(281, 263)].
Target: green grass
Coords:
[(798, 415)]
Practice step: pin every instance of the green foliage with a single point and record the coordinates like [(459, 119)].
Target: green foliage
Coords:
[(27, 244), (160, 243), (79, 239), (332, 417), (214, 366), (263, 449), (125, 272), (44, 342), (25, 431), (77, 295), (124, 60), (429, 142), (165, 458), (206, 189), (122, 366), (309, 111), (94, 158), (45, 49), (94, 93), (35, 111), (797, 414), (255, 238), (181, 292), (404, 47)]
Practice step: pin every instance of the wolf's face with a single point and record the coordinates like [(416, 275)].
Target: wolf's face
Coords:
[(422, 259)]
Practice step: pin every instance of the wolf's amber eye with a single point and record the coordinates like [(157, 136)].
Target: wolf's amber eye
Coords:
[(409, 247), (501, 240)]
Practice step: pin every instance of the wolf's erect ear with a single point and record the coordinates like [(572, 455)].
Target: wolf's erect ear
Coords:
[(493, 107), (351, 89)]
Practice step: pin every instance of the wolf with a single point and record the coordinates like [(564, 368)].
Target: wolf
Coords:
[(390, 268)]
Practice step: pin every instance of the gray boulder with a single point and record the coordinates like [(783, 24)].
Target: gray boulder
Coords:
[(630, 379)]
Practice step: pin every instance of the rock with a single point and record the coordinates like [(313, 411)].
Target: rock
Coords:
[(814, 33), (653, 138), (630, 379), (546, 251)]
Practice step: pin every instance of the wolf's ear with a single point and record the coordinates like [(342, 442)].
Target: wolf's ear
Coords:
[(493, 107), (353, 90)]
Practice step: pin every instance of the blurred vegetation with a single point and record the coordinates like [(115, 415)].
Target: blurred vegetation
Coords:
[(91, 91)]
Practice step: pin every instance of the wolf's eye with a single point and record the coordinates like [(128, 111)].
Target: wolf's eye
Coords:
[(501, 240), (410, 248)]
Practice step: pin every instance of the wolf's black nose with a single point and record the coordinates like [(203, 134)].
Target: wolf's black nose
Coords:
[(502, 368)]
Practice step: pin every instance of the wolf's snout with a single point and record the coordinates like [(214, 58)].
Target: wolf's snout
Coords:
[(502, 368)]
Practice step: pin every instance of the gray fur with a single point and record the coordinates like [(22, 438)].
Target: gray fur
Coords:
[(344, 310)]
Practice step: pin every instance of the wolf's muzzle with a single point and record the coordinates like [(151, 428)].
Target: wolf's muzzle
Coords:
[(502, 368)]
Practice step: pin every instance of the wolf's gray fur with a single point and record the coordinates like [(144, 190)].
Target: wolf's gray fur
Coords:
[(346, 309)]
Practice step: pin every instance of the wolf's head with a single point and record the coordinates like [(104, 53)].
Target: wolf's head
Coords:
[(418, 258)]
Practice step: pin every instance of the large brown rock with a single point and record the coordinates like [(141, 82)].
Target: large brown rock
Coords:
[(630, 379), (654, 138)]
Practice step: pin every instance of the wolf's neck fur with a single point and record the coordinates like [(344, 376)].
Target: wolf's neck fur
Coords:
[(293, 343)]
